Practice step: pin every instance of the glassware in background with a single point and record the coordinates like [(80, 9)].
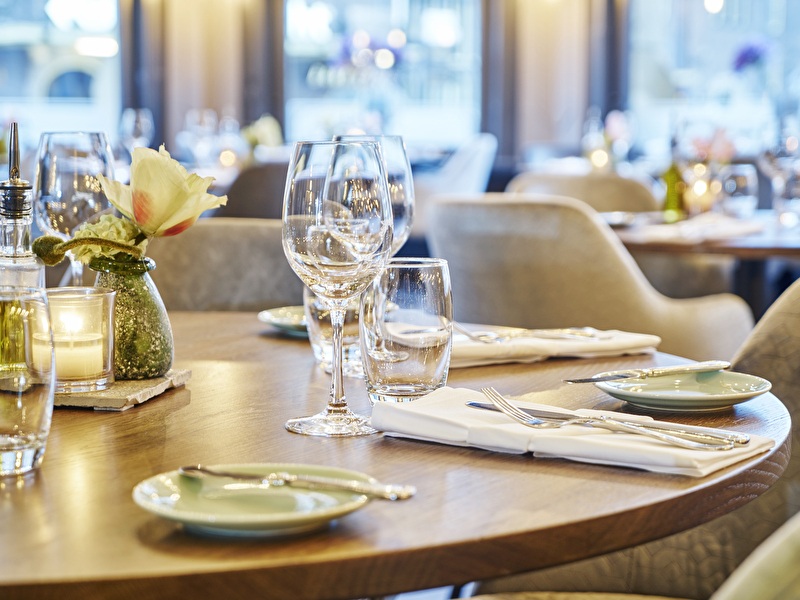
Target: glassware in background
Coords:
[(67, 191), (337, 235), (320, 334), (136, 128), (27, 379), (739, 190), (406, 329)]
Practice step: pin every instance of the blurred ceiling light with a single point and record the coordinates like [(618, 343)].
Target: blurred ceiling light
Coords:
[(713, 6), (396, 38), (98, 47), (440, 27), (384, 59), (361, 39)]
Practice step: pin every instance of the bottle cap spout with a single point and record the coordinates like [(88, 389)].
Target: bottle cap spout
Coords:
[(14, 197)]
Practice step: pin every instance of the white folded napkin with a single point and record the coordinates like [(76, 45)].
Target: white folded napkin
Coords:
[(469, 353), (443, 416), (706, 226)]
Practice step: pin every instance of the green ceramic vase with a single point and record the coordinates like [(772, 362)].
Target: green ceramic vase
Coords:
[(143, 343)]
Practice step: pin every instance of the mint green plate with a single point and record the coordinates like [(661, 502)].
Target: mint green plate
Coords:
[(228, 507), (688, 392), (289, 319)]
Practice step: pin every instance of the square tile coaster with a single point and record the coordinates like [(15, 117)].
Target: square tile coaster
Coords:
[(122, 395)]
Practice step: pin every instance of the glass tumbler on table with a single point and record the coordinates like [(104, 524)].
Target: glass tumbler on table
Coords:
[(739, 193), (337, 235), (67, 191), (27, 378)]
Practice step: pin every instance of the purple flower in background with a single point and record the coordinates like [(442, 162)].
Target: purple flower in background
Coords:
[(750, 54)]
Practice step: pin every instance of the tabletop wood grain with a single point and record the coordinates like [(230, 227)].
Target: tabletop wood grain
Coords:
[(73, 531)]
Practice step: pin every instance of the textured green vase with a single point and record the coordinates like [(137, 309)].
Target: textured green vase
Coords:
[(143, 344)]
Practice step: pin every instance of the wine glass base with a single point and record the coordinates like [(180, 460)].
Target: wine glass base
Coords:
[(325, 424)]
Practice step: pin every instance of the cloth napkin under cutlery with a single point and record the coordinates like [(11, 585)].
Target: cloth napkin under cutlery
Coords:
[(443, 416), (525, 349)]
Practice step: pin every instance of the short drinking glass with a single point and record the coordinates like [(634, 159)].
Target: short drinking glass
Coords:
[(406, 329)]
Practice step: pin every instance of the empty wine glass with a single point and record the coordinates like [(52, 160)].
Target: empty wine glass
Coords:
[(136, 128), (401, 184), (739, 190), (337, 236), (67, 191)]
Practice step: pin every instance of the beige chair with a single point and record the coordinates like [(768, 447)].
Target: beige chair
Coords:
[(675, 276), (225, 264), (547, 261), (694, 563), (466, 171)]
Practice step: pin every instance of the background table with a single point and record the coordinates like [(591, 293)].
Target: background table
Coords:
[(73, 531)]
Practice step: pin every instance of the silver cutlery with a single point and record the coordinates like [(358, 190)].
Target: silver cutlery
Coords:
[(602, 422), (494, 337), (374, 490), (705, 434), (707, 366)]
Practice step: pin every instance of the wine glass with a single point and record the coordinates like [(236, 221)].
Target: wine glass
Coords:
[(739, 190), (136, 128), (337, 236), (401, 184), (67, 191)]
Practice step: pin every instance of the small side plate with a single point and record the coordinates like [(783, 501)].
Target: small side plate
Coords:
[(226, 507), (289, 319), (689, 392)]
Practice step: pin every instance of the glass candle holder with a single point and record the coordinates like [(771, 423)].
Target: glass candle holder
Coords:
[(83, 338)]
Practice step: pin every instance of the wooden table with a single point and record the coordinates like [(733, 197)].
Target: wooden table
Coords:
[(73, 531), (751, 253)]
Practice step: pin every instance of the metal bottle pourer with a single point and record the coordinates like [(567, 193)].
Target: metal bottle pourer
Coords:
[(15, 200)]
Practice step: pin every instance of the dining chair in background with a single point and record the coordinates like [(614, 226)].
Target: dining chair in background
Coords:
[(466, 171), (257, 192), (546, 261), (675, 276), (225, 264), (696, 562)]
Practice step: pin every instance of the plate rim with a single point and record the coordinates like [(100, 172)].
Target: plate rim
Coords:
[(266, 524)]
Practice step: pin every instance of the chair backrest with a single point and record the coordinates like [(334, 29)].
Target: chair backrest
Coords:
[(547, 261), (257, 192), (605, 192), (225, 264)]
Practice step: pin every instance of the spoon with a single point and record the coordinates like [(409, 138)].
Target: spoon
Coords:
[(371, 489)]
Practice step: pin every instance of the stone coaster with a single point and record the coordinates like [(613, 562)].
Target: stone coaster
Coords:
[(122, 395)]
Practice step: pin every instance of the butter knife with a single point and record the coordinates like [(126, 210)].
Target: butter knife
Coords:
[(698, 367), (689, 432), (368, 488)]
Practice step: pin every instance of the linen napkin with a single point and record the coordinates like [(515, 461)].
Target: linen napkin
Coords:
[(706, 226), (469, 353), (443, 416)]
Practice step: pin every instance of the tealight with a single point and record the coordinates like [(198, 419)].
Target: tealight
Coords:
[(83, 338)]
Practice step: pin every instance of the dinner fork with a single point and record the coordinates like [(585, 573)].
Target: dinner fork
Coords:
[(602, 422), (493, 337)]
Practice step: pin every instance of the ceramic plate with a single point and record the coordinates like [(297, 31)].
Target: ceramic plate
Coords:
[(688, 392), (289, 319), (220, 506)]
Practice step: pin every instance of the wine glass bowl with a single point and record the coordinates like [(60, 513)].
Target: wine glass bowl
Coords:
[(67, 191), (337, 236)]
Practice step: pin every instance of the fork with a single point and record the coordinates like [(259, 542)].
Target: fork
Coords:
[(491, 337), (602, 422)]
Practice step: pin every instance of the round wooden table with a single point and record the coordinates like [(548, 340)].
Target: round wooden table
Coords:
[(73, 531)]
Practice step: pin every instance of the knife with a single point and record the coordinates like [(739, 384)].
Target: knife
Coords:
[(699, 367), (689, 432)]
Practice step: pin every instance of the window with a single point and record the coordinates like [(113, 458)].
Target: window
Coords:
[(729, 66), (59, 67), (408, 67)]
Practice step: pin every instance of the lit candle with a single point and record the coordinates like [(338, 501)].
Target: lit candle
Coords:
[(78, 355)]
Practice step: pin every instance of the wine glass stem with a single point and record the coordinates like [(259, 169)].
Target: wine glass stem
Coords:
[(76, 268), (337, 402)]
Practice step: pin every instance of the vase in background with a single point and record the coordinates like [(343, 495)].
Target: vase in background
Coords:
[(143, 344)]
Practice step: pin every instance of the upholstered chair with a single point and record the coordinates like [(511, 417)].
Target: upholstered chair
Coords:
[(225, 264), (546, 261), (695, 563), (257, 192), (676, 276)]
